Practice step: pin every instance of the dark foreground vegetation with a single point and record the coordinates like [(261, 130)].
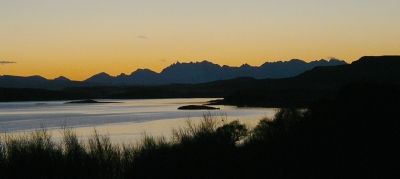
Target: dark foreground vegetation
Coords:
[(354, 134)]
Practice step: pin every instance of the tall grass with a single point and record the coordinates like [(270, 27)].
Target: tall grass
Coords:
[(37, 155), (208, 149)]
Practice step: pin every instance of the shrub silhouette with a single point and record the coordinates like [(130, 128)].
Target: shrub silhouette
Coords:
[(232, 132), (268, 129)]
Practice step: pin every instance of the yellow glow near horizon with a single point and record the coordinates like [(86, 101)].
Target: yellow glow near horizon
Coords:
[(77, 39)]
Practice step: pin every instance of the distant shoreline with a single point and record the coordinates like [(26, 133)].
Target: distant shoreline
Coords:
[(90, 101)]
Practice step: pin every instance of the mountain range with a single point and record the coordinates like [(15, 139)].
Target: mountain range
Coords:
[(177, 73), (301, 90)]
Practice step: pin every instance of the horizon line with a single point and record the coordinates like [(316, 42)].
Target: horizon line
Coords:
[(182, 62)]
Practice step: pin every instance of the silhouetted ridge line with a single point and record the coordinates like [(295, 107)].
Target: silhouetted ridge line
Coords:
[(314, 84), (177, 73), (298, 91), (205, 71)]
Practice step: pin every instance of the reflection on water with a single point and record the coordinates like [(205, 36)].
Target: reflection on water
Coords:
[(125, 121)]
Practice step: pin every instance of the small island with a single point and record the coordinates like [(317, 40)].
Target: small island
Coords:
[(197, 107), (88, 101)]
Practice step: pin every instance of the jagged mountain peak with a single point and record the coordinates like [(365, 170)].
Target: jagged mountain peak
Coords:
[(204, 62), (190, 66), (122, 75), (143, 71), (245, 65), (37, 77), (99, 78), (101, 75), (296, 61), (61, 78)]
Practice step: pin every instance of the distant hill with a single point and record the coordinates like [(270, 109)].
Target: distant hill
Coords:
[(368, 69), (177, 73), (314, 84), (7, 81)]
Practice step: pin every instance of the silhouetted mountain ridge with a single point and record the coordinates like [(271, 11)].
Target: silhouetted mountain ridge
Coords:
[(299, 91), (314, 84), (177, 73), (205, 71), (99, 78), (36, 81), (377, 69), (62, 78)]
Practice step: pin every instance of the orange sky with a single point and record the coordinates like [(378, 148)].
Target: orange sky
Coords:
[(78, 39)]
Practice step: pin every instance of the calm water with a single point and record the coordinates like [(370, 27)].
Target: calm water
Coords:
[(125, 121)]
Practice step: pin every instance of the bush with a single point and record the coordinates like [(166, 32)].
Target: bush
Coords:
[(269, 129), (232, 133)]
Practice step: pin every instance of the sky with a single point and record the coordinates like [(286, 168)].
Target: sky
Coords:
[(79, 38)]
